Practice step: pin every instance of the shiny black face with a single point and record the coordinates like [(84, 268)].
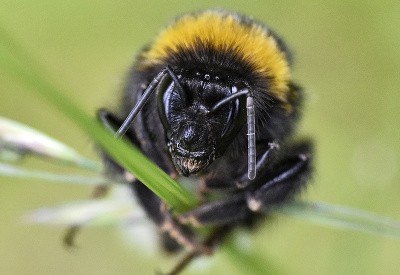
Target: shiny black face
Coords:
[(197, 131)]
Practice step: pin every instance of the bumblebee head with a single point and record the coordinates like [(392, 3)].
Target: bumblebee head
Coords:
[(201, 118)]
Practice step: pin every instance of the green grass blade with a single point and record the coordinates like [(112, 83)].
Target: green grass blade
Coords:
[(22, 140), (17, 172), (20, 66), (93, 212), (342, 217)]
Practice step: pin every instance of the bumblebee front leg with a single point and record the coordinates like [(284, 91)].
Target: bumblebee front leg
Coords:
[(282, 181), (242, 181), (295, 172), (261, 164)]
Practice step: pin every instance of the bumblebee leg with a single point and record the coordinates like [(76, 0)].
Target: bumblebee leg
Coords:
[(283, 186), (229, 211), (292, 174), (161, 216), (261, 164), (99, 191), (239, 178), (214, 239)]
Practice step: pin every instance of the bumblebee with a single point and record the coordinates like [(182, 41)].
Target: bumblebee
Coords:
[(187, 102)]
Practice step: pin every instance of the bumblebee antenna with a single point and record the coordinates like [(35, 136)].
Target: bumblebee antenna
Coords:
[(139, 105), (227, 100), (251, 126), (146, 95), (251, 139)]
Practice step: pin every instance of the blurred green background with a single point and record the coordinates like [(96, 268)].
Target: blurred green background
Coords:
[(347, 57)]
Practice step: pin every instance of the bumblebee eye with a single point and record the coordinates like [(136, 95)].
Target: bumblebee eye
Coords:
[(164, 92), (170, 93)]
